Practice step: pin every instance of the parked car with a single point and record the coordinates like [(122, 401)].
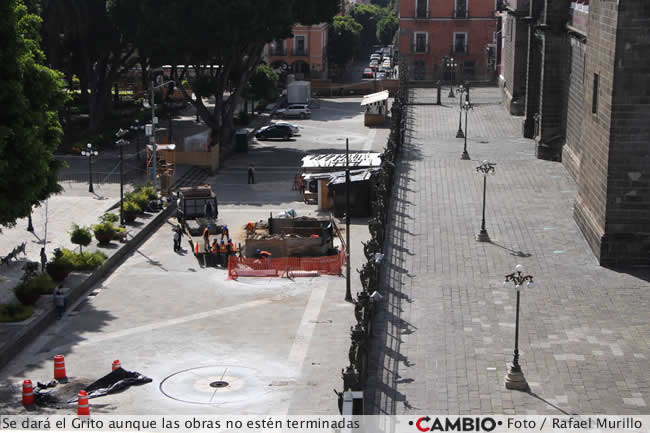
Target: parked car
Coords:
[(375, 57), (295, 110), (273, 131), (294, 129), (374, 64), (386, 63), (381, 75), (368, 73)]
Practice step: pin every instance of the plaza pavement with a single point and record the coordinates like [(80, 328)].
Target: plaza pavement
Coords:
[(446, 335), (280, 343)]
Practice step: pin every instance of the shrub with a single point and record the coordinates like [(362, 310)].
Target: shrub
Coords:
[(15, 312), (28, 292), (109, 218), (131, 207), (148, 190), (80, 236), (60, 266), (104, 232), (139, 198), (85, 261)]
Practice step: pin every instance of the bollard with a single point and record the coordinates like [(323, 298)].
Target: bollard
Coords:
[(28, 393), (82, 404), (116, 365), (59, 367), (439, 92)]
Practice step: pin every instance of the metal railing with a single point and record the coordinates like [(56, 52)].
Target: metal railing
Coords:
[(299, 52)]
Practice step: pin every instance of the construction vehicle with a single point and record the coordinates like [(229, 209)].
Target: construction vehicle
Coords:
[(197, 209)]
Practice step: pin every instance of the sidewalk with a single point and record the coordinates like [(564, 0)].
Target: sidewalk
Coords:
[(447, 334)]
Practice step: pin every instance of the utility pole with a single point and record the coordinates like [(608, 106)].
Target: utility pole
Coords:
[(153, 139), (348, 291)]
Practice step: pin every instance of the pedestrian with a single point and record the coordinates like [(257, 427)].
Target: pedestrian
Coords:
[(225, 233), (43, 259), (177, 238), (59, 301), (206, 239), (251, 173)]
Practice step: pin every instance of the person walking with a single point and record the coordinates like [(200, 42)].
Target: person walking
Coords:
[(225, 233), (43, 259), (206, 239), (251, 173), (177, 238), (59, 301)]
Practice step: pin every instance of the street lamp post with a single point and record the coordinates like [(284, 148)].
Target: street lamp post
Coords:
[(89, 152), (485, 168), (515, 378), (466, 106), (121, 143), (348, 290), (30, 226), (136, 128), (459, 133), (451, 67)]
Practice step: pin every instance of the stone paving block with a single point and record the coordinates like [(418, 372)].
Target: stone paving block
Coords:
[(583, 329)]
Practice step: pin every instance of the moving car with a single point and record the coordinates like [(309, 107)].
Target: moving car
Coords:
[(295, 110), (381, 75), (273, 131), (368, 73), (294, 129), (374, 64), (375, 57)]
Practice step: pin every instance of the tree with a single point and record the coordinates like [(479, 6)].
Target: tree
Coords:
[(30, 96), (344, 40), (222, 42), (386, 28), (368, 16), (80, 236), (263, 83)]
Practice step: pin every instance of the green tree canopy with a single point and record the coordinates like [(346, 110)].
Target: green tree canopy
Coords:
[(344, 40), (368, 16), (222, 42), (30, 96), (263, 83), (386, 27)]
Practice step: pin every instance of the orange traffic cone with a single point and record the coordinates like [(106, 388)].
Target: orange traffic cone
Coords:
[(28, 393), (82, 403), (116, 364), (59, 367)]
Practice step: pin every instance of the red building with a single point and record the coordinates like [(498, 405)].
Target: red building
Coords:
[(305, 53), (449, 39)]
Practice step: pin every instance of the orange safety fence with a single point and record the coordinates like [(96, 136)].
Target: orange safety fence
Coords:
[(284, 266)]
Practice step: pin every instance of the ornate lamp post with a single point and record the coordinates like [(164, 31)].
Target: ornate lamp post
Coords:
[(466, 106), (515, 378), (30, 226), (348, 290), (135, 128), (485, 168), (460, 134), (89, 152), (450, 62), (121, 143)]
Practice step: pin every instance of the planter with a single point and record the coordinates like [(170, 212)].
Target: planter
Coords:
[(104, 238), (58, 272), (129, 217)]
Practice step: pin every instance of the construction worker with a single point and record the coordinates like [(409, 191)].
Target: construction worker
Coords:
[(263, 254), (206, 238), (223, 252), (225, 233), (215, 252), (231, 248)]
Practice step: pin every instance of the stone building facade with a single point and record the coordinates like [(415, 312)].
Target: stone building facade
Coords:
[(586, 102)]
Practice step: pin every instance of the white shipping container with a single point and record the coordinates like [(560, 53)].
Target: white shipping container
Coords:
[(299, 92)]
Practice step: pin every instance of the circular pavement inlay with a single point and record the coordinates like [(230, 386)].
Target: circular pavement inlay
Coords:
[(214, 385)]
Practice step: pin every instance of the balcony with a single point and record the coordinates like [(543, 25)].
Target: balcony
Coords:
[(579, 15), (299, 52), (278, 52)]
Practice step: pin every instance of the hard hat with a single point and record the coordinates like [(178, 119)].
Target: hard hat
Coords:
[(221, 241), (229, 240), (257, 251), (209, 226), (225, 227)]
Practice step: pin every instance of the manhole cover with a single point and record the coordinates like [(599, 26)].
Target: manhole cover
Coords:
[(214, 385)]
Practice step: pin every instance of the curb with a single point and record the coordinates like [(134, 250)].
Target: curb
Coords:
[(37, 326)]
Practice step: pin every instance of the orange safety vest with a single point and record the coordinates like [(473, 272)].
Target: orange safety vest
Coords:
[(222, 248), (215, 247)]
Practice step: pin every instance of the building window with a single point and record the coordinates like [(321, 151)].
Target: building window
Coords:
[(594, 97), (460, 8), (299, 46), (421, 9), (460, 43), (278, 48), (421, 42)]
